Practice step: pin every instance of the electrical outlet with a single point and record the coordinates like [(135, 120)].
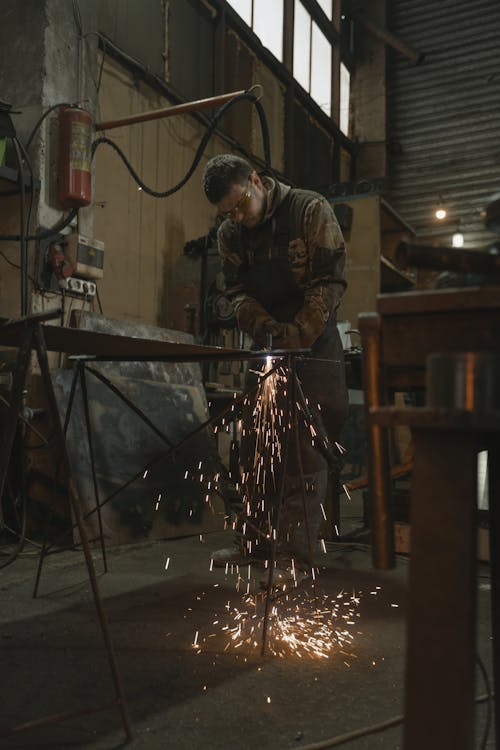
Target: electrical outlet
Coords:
[(78, 286)]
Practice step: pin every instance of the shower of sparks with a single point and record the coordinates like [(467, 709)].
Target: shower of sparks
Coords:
[(268, 425), (167, 563), (270, 421), (300, 624)]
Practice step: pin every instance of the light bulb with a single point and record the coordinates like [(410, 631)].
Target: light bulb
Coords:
[(457, 240), (440, 213)]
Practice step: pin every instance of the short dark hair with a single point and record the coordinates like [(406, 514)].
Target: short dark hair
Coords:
[(221, 173)]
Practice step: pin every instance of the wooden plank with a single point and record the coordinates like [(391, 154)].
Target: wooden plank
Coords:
[(438, 300)]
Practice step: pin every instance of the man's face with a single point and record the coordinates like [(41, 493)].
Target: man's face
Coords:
[(244, 203)]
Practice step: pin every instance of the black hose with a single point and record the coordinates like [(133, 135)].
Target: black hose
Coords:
[(166, 193), (201, 148)]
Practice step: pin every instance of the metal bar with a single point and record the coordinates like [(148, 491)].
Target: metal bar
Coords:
[(276, 524), (178, 109), (295, 429), (46, 547), (161, 456), (83, 384), (27, 423), (43, 554), (130, 405), (75, 505)]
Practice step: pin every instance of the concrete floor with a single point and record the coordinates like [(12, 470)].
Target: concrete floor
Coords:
[(218, 695)]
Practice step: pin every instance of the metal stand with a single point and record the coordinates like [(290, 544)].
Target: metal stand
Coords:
[(32, 338), (294, 392)]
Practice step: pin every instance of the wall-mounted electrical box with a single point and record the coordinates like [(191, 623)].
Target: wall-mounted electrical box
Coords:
[(86, 256)]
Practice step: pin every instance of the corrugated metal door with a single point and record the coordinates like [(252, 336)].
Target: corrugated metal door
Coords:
[(444, 116)]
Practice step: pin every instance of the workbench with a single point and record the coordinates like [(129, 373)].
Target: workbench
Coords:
[(440, 654)]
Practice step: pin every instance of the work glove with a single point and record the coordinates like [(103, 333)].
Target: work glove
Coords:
[(255, 320), (285, 336)]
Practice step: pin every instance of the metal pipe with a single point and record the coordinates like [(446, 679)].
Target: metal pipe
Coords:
[(178, 109)]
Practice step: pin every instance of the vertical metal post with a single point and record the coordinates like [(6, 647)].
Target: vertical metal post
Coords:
[(277, 514), (295, 421)]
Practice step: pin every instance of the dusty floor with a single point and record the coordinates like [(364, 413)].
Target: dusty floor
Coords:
[(188, 684)]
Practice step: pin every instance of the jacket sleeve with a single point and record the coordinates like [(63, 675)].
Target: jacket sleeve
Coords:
[(324, 282)]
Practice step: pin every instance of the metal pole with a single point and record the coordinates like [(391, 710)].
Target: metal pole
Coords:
[(85, 400), (277, 513), (178, 109), (75, 506)]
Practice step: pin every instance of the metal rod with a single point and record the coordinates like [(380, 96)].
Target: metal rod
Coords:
[(295, 429), (47, 546), (86, 411), (130, 405), (171, 450), (277, 513), (178, 109), (75, 506)]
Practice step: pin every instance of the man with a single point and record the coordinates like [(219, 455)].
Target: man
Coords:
[(283, 258)]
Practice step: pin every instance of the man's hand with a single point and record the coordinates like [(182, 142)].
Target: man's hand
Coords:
[(285, 335)]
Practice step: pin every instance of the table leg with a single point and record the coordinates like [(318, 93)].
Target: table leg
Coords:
[(439, 694), (494, 513), (379, 488)]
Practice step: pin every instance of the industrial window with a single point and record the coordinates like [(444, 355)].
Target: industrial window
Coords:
[(345, 86), (266, 19), (312, 56), (327, 7), (312, 51)]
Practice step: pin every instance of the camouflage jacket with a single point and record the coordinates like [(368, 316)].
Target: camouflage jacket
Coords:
[(286, 275)]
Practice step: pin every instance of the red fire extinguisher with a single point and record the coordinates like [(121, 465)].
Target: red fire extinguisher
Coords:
[(75, 137)]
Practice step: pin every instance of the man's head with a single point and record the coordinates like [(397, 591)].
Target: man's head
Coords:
[(235, 188)]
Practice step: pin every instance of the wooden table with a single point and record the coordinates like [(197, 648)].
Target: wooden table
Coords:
[(396, 340), (441, 626)]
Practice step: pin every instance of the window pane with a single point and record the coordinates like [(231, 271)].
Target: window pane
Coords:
[(301, 45), (321, 70), (243, 8), (327, 7), (268, 25), (345, 85)]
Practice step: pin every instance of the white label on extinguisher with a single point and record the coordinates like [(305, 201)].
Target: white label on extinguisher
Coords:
[(80, 146)]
